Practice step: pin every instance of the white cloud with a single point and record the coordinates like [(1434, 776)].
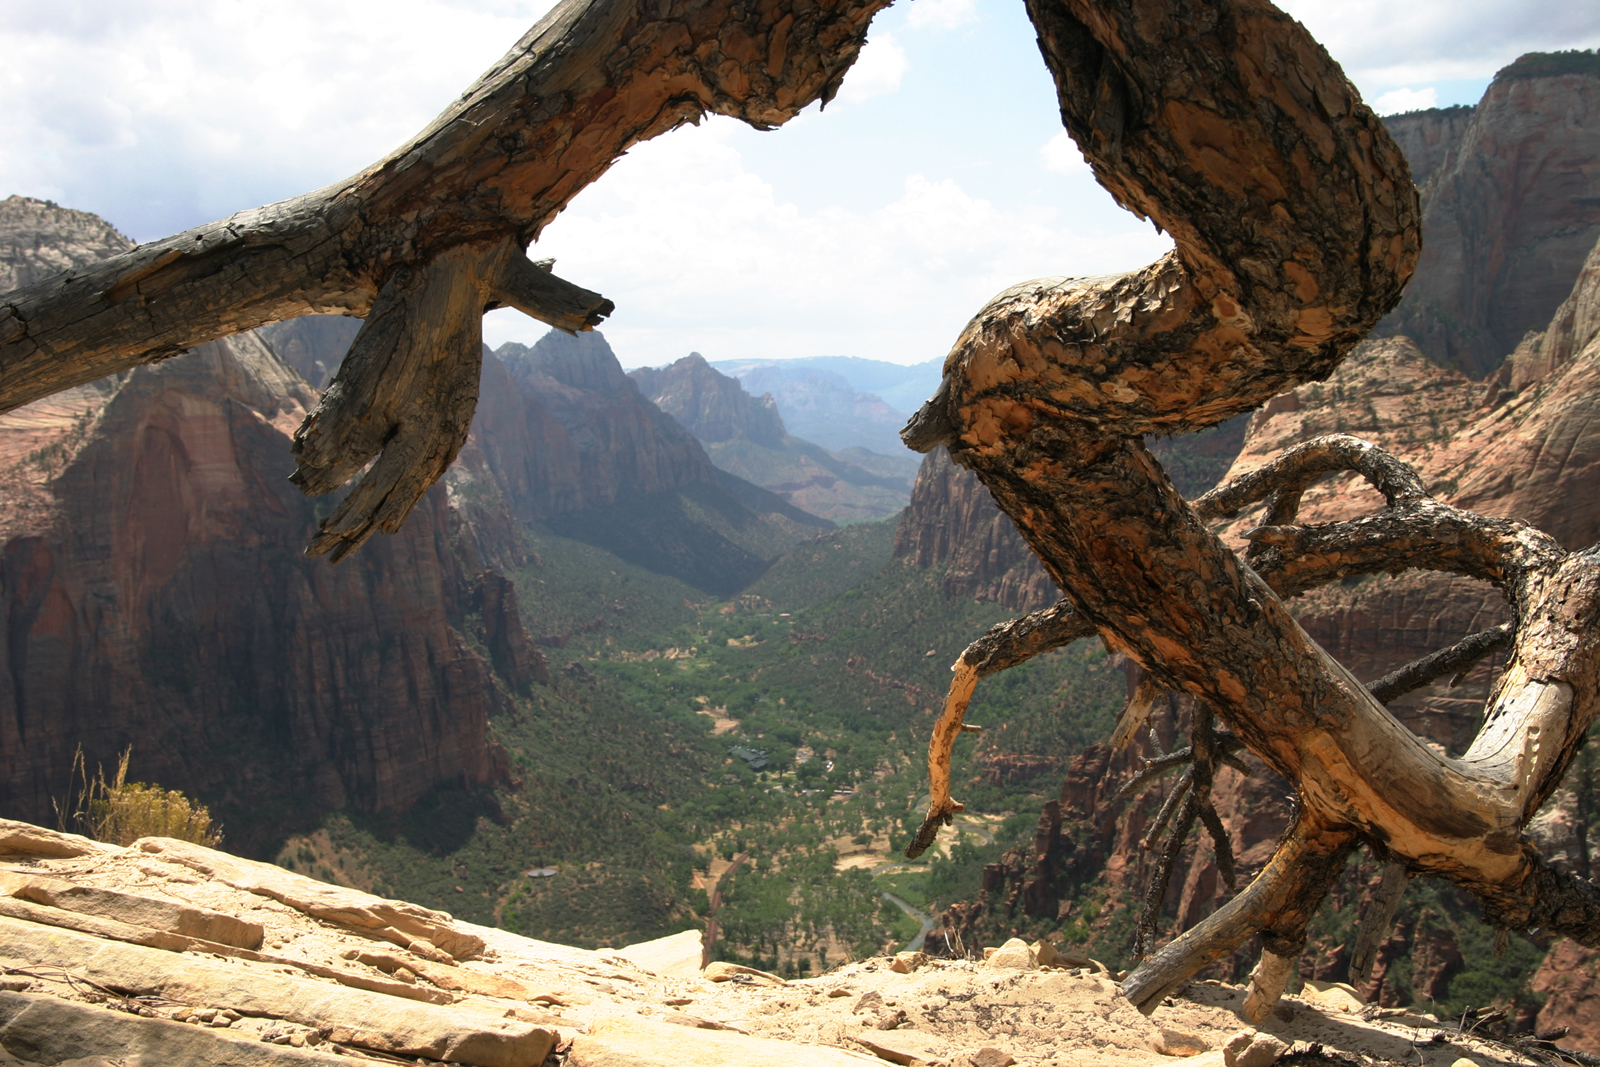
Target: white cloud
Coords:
[(699, 253), (1382, 44), (1060, 155), (164, 113), (1396, 101), (877, 71), (941, 14)]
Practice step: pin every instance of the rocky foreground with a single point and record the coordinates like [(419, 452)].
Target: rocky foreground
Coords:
[(167, 953)]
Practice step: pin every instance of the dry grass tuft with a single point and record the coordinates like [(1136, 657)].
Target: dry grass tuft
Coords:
[(121, 812)]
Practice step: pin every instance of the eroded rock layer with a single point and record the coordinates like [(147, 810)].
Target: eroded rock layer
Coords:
[(110, 960)]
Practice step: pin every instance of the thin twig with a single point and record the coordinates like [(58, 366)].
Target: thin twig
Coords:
[(1179, 792), (1156, 892)]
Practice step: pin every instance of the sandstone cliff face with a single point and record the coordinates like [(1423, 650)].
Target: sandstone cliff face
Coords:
[(154, 594), (1429, 138), (39, 239), (562, 428), (157, 597), (952, 521), (1508, 215), (313, 345)]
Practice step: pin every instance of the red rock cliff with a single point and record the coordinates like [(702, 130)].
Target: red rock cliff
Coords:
[(156, 596), (952, 522), (1508, 215), (562, 428)]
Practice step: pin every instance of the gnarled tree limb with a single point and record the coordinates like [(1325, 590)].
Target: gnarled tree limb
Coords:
[(432, 235), (1296, 226)]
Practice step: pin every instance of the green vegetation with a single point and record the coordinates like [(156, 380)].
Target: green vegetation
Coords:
[(1551, 64), (822, 568), (834, 663), (705, 535)]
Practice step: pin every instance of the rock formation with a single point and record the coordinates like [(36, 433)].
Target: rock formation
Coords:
[(746, 437), (39, 238), (712, 406), (952, 522), (1511, 205), (571, 443), (312, 344), (1429, 137), (165, 953), (562, 428), (155, 595)]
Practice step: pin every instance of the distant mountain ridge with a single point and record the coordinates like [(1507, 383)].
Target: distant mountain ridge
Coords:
[(574, 445), (746, 436), (840, 402)]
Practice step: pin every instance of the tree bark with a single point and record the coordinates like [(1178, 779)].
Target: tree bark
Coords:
[(1296, 227), (433, 235)]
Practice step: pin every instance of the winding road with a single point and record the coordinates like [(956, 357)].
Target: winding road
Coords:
[(922, 917)]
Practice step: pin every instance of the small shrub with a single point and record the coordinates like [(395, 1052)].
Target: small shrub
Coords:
[(121, 812)]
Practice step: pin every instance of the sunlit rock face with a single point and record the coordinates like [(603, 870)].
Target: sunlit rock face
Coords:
[(1511, 206)]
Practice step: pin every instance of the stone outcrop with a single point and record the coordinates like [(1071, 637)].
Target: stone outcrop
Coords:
[(1569, 980), (515, 656), (156, 595), (953, 523), (341, 975), (154, 592), (39, 239), (745, 436), (1510, 209)]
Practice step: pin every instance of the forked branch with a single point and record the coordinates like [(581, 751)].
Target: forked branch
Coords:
[(1296, 227)]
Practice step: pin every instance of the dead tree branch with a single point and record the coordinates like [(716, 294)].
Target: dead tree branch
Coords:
[(424, 241), (1296, 226)]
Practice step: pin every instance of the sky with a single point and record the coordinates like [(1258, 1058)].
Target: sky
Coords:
[(875, 229)]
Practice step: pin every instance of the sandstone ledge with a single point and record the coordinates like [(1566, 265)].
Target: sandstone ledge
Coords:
[(338, 975)]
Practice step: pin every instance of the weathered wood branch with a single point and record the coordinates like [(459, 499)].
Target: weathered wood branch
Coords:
[(1278, 904), (432, 235), (1004, 645), (1296, 226), (1287, 477), (1377, 921), (1455, 660)]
